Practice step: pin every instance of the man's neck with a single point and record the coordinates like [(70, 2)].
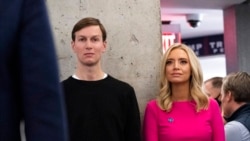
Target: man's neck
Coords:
[(89, 73)]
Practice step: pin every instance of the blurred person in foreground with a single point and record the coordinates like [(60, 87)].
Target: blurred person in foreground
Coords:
[(235, 105), (100, 107), (29, 82), (181, 111)]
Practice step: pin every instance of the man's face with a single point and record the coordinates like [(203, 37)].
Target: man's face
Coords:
[(211, 91), (89, 45), (226, 100)]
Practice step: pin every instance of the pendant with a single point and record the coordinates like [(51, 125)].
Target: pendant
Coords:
[(170, 120)]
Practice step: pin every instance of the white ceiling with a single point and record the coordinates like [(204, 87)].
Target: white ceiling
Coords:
[(212, 10)]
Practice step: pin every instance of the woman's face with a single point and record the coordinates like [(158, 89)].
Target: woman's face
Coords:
[(178, 67)]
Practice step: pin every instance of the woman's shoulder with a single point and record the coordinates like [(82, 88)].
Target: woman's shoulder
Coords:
[(152, 106), (213, 103), (152, 102)]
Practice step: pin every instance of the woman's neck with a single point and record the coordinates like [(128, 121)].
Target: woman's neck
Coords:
[(180, 93)]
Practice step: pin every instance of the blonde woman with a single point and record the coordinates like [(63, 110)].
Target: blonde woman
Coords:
[(181, 111)]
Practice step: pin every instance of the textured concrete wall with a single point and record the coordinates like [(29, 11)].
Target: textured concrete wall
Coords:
[(134, 39)]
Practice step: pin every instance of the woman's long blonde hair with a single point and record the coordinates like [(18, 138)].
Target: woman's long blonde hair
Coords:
[(196, 80)]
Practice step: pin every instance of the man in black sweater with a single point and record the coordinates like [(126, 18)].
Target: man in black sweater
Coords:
[(99, 106)]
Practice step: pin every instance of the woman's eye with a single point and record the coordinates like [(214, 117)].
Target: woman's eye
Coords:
[(168, 62), (183, 62)]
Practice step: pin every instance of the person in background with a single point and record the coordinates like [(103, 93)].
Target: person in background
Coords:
[(30, 89), (212, 87), (181, 111), (100, 107), (236, 106)]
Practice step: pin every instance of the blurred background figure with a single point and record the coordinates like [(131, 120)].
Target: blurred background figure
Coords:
[(29, 80), (212, 87), (235, 105)]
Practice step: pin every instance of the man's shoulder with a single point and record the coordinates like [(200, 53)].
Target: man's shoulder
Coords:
[(234, 126), (67, 80), (235, 130), (119, 81)]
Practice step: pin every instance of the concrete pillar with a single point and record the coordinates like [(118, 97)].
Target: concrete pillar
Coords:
[(134, 39), (236, 37)]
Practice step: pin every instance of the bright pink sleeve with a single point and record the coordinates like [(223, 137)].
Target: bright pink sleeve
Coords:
[(150, 130), (217, 122)]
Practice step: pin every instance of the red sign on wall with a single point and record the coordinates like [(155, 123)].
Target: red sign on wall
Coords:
[(169, 38)]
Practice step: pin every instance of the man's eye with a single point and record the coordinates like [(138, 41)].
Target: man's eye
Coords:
[(81, 39), (95, 39)]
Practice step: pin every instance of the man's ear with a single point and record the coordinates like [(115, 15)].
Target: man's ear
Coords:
[(73, 45), (229, 96), (104, 46)]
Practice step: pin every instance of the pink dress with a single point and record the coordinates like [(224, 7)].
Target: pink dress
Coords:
[(183, 123)]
